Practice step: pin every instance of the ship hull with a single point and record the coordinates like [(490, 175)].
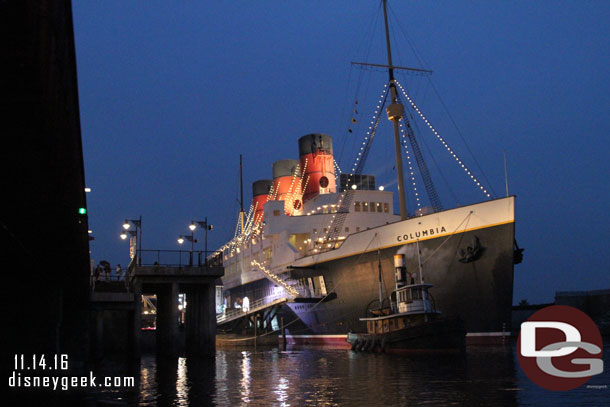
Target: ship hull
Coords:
[(479, 292)]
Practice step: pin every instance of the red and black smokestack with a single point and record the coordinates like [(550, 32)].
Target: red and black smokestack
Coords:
[(260, 195), (287, 184), (316, 154)]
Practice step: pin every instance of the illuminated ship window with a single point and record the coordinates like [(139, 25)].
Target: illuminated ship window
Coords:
[(276, 212), (357, 206), (386, 207), (379, 209), (365, 206)]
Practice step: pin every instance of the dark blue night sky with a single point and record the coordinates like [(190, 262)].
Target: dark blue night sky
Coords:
[(172, 92)]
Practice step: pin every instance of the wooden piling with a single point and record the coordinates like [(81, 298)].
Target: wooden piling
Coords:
[(255, 328), (283, 333)]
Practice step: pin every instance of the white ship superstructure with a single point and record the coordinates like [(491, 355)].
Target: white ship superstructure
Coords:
[(283, 240)]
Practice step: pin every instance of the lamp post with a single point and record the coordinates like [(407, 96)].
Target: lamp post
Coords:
[(132, 250), (192, 227), (206, 226), (138, 235), (181, 240)]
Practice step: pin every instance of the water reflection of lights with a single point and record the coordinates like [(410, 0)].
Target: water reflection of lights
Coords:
[(322, 395), (324, 387), (245, 377), (182, 387), (281, 391), (148, 385), (222, 380)]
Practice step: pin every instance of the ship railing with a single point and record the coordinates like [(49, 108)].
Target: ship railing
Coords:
[(228, 315)]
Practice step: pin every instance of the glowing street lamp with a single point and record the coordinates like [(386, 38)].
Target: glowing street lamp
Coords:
[(181, 240), (131, 233), (192, 227), (138, 235)]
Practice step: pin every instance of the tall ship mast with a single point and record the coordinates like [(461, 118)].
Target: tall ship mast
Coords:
[(395, 113), (316, 242)]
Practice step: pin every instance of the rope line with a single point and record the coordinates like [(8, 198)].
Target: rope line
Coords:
[(467, 218)]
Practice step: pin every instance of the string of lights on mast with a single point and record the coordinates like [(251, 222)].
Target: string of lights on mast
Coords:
[(442, 140)]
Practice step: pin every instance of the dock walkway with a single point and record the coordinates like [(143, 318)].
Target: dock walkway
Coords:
[(256, 306)]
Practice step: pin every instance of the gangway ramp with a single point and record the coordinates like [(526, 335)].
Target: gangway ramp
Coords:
[(256, 306)]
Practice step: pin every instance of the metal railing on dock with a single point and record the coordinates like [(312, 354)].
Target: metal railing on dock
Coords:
[(171, 258), (178, 258)]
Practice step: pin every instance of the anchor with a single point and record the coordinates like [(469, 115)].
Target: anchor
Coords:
[(472, 253)]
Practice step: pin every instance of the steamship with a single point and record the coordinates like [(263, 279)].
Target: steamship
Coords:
[(317, 244)]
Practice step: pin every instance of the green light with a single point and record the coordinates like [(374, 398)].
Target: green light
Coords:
[(82, 211)]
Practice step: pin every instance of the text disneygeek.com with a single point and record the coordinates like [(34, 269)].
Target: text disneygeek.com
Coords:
[(68, 382), (26, 367)]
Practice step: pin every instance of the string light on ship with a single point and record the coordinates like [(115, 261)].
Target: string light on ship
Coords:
[(297, 195), (257, 218), (241, 236), (438, 136), (303, 189), (411, 173), (275, 278), (247, 222), (370, 129), (369, 134), (288, 205), (273, 192), (337, 169)]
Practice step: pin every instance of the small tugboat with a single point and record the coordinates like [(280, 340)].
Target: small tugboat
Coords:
[(411, 322)]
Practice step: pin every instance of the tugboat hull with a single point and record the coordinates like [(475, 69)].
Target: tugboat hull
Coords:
[(440, 334)]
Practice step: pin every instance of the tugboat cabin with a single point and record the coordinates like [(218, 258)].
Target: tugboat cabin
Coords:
[(410, 307)]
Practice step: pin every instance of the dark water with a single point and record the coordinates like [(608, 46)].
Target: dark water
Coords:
[(485, 376), (482, 376)]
